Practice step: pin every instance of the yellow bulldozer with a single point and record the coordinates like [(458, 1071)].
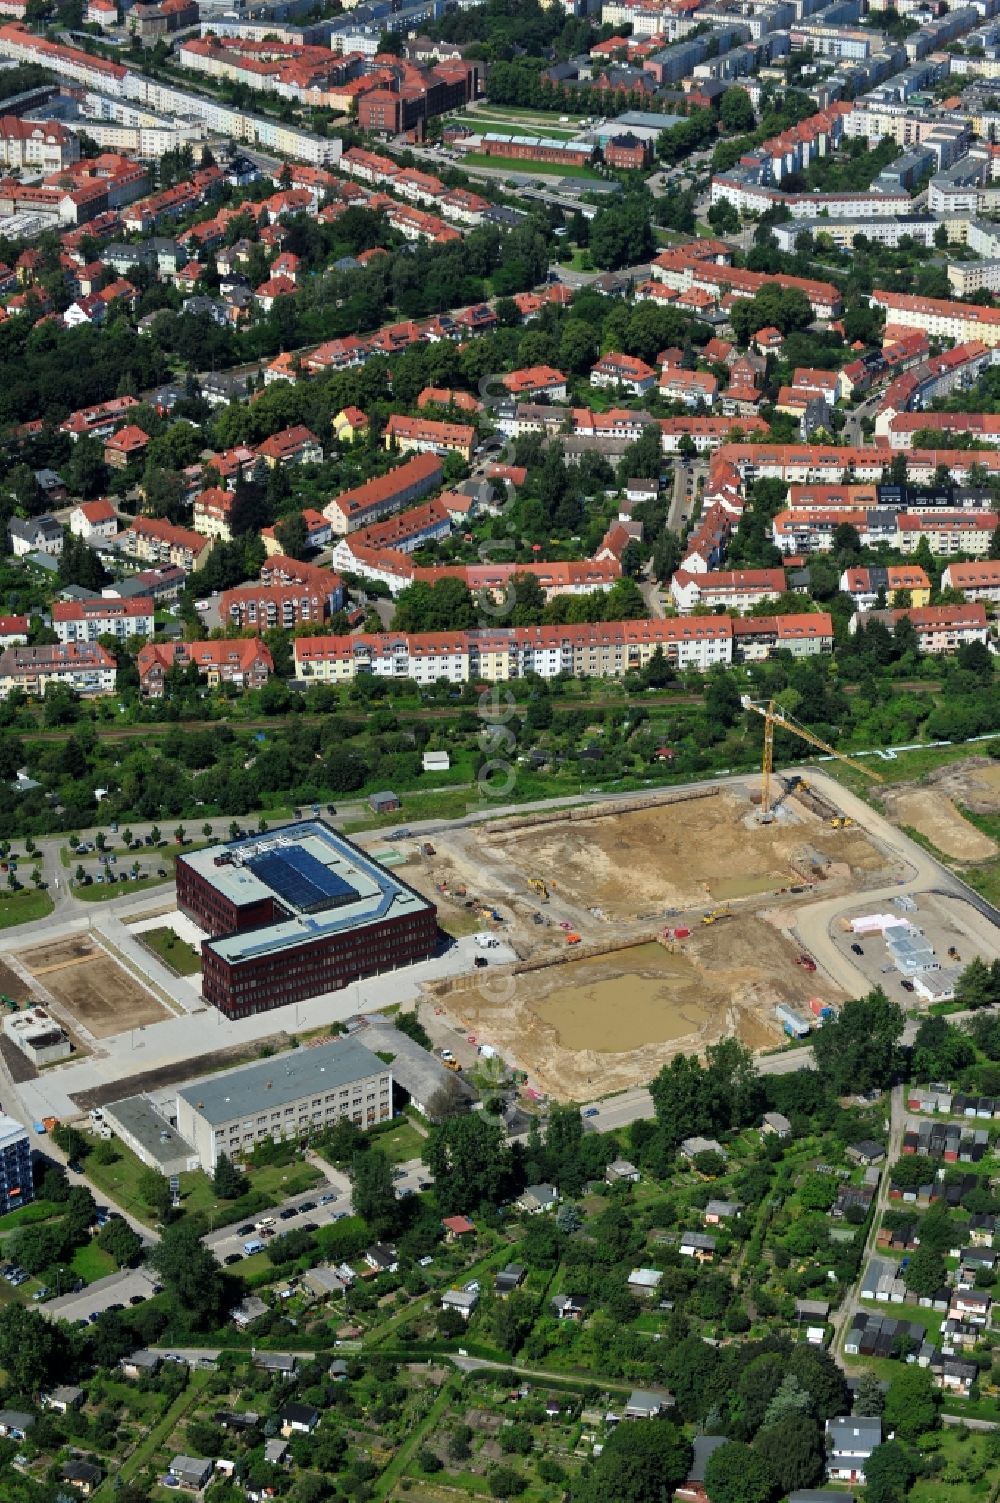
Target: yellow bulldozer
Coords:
[(716, 915)]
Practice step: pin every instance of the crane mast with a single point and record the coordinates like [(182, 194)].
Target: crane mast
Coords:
[(772, 715)]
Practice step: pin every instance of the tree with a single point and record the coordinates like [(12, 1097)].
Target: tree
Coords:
[(859, 1050), (191, 1276), (889, 1473), (642, 1462), (505, 1482), (792, 1450), (911, 1405), (736, 111), (791, 1398), (869, 1398), (373, 1193), (154, 1191), (227, 1182), (736, 1473), (33, 1350), (470, 1161), (940, 1050), (117, 1238)]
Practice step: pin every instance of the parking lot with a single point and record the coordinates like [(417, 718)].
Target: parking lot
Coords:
[(945, 923), (130, 1286)]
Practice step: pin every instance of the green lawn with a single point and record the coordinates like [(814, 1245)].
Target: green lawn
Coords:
[(39, 1210), (500, 126), (270, 1184), (529, 169), (24, 907), (172, 950), (402, 1143), (91, 1263)]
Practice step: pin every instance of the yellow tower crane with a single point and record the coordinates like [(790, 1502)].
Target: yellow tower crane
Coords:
[(772, 715)]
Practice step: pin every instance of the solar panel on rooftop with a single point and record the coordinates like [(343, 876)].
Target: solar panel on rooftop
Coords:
[(301, 880)]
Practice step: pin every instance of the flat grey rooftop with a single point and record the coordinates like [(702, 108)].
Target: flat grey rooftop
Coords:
[(283, 1079)]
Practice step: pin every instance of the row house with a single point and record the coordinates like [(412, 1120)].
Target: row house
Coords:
[(682, 269), (263, 607), (242, 664), (947, 1141), (86, 620), (318, 532), (707, 433), (405, 533), (85, 667), (738, 589), (154, 540), (795, 532), (385, 494), (865, 584), (984, 426)]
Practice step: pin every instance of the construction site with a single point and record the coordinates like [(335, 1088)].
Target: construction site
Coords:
[(646, 929)]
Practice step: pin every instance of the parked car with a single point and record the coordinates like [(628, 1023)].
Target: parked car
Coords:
[(234, 1257), (857, 949), (907, 986)]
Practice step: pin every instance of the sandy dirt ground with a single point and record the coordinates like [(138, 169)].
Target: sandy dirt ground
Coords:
[(608, 1021), (675, 856), (933, 814), (92, 989), (973, 783), (13, 985)]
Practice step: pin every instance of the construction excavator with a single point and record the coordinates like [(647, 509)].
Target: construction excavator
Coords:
[(773, 715), (538, 886)]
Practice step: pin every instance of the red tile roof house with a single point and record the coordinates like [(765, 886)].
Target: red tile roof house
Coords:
[(537, 381), (296, 445), (93, 519), (245, 663), (126, 447), (457, 1227), (623, 370)]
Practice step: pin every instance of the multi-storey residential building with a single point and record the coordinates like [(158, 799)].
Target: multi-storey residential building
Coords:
[(693, 388), (212, 513), (948, 532), (940, 317), (939, 628), (13, 631), (156, 541), (86, 620), (728, 589), (88, 668), (291, 446), (422, 435), (35, 535), (16, 1182), (403, 533), (536, 381), (607, 649), (245, 663), (978, 580), (262, 607), (43, 145), (626, 371), (755, 638), (292, 1096)]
